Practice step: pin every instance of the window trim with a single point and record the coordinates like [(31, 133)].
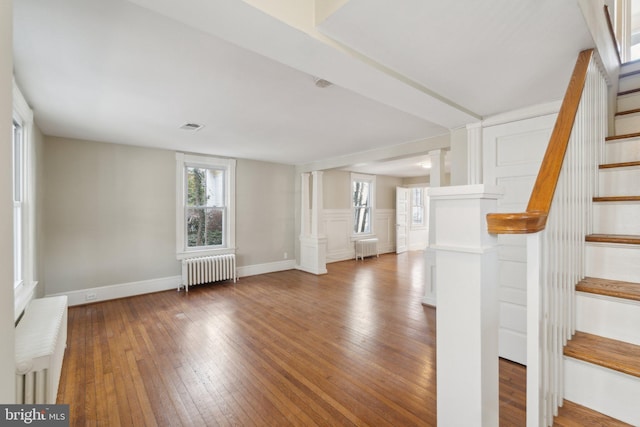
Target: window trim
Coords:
[(424, 223), (229, 234), (371, 179), (24, 290)]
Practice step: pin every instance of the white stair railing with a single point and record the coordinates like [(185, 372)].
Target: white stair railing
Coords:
[(557, 219)]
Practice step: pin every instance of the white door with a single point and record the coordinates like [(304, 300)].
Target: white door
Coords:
[(402, 219), (512, 154)]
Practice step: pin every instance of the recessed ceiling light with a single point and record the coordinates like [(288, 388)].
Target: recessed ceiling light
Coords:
[(191, 126)]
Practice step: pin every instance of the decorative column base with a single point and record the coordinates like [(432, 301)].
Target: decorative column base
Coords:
[(313, 255)]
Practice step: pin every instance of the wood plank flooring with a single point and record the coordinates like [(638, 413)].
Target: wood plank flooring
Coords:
[(353, 347)]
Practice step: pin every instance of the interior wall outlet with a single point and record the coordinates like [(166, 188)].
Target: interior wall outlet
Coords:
[(285, 255), (90, 296)]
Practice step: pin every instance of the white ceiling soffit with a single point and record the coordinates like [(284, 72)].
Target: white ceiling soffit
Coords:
[(488, 56), (244, 25)]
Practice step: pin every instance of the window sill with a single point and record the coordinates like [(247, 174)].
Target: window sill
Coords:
[(23, 294), (204, 252)]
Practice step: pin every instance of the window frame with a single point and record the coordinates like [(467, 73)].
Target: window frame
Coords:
[(371, 180), (24, 204), (183, 161)]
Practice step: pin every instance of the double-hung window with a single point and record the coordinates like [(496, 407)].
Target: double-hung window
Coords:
[(24, 277), (362, 203), (206, 205)]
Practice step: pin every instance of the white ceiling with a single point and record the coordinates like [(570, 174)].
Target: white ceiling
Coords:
[(133, 72)]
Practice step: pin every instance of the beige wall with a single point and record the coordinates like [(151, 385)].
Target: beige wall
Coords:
[(415, 181), (337, 189), (39, 187), (7, 356), (265, 221), (109, 214), (386, 191)]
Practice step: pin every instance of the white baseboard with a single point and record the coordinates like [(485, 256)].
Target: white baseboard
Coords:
[(104, 293), (270, 267)]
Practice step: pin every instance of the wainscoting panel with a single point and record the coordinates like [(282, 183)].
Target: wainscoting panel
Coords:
[(337, 227)]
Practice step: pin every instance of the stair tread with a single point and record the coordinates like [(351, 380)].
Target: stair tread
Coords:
[(617, 199), (620, 165), (629, 74), (573, 415), (628, 92), (609, 353), (608, 287), (626, 112), (630, 239), (624, 136)]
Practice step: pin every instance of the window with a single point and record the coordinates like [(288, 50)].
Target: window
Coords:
[(363, 194), (417, 206), (206, 205), (23, 168), (18, 197)]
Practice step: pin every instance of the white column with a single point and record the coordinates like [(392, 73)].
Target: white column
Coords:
[(436, 174), (313, 243), (467, 316), (317, 205), (304, 211), (474, 153)]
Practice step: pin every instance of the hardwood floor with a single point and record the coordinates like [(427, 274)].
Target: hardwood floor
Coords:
[(353, 347)]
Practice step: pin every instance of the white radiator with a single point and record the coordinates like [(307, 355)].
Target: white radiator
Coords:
[(41, 338), (196, 271), (366, 247)]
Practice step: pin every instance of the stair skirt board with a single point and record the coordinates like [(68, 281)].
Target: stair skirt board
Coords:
[(609, 317), (619, 181), (617, 217), (604, 390), (610, 261)]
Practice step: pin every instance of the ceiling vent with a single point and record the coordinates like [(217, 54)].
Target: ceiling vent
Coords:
[(191, 126), (322, 83)]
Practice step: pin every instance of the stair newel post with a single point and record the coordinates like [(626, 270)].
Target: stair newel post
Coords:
[(467, 315)]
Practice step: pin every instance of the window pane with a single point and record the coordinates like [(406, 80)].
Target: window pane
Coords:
[(205, 187), (195, 227), (361, 193), (417, 215), (214, 227), (361, 220)]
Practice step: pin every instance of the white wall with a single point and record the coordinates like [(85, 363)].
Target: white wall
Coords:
[(7, 355)]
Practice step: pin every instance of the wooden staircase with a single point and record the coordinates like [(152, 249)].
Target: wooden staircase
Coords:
[(602, 360)]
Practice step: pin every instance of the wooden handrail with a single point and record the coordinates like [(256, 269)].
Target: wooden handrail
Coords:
[(535, 218), (612, 33)]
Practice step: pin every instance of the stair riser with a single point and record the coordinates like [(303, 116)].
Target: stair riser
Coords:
[(615, 262), (629, 102), (601, 389), (629, 83), (616, 218), (619, 181), (618, 151), (628, 123), (608, 317)]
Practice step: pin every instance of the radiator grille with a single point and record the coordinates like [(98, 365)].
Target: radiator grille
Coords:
[(196, 271), (366, 247)]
